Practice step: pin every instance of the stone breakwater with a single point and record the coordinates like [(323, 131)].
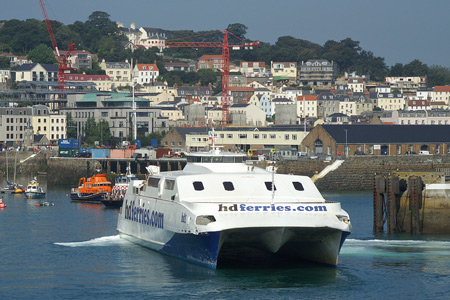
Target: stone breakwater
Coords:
[(355, 174)]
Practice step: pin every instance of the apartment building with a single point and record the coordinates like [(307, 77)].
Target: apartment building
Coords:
[(119, 72), (284, 71), (317, 73)]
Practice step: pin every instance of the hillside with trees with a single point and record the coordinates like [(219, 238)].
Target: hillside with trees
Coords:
[(100, 35)]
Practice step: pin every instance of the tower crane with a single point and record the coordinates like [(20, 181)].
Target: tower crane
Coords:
[(226, 65), (63, 60)]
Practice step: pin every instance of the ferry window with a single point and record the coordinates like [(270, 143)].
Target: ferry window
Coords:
[(198, 185), (269, 186), (228, 185), (169, 184), (206, 159), (153, 182), (228, 159), (239, 159), (217, 159), (193, 159), (298, 186)]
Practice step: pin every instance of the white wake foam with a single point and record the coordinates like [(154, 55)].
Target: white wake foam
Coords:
[(393, 247), (97, 242)]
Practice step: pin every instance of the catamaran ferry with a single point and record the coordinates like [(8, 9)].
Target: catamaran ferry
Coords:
[(218, 207)]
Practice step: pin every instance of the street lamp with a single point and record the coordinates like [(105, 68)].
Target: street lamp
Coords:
[(346, 147)]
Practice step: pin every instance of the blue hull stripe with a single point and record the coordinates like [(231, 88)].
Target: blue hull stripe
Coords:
[(345, 234), (200, 249)]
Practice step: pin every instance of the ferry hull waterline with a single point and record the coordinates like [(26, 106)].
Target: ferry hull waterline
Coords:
[(219, 208)]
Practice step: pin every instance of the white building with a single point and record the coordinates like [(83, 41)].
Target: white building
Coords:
[(145, 73), (307, 106)]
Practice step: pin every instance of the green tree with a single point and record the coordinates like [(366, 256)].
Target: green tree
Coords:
[(25, 104), (97, 132), (4, 63), (42, 54), (438, 75), (238, 32), (396, 70), (208, 76), (415, 68), (345, 53), (95, 70), (101, 21), (146, 140), (71, 127)]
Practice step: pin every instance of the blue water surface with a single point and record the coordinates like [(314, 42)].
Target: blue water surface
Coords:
[(72, 251)]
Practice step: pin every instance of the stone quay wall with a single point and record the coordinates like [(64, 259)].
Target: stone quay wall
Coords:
[(357, 172)]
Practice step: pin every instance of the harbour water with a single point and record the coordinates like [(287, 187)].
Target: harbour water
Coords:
[(72, 251)]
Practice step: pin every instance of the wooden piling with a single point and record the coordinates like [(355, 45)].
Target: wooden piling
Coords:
[(415, 187), (392, 199), (378, 203)]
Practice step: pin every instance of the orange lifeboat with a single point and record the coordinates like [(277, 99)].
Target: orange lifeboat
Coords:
[(93, 189)]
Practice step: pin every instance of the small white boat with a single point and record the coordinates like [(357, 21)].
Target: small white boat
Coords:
[(33, 190), (121, 183), (218, 209)]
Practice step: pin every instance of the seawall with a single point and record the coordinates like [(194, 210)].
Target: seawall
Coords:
[(355, 174)]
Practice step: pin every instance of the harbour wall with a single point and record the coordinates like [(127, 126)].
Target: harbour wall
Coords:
[(355, 174)]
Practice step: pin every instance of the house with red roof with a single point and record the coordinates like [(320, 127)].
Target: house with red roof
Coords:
[(145, 73), (307, 106), (253, 68), (15, 60), (101, 82), (442, 93), (80, 59), (212, 62)]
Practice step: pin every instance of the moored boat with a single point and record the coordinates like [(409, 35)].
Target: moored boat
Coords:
[(93, 189), (218, 208), (34, 190), (12, 188), (115, 198)]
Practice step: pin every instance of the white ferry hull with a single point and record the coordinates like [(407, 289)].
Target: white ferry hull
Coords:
[(291, 235), (219, 210), (204, 249)]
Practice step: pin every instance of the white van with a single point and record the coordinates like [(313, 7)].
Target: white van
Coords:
[(424, 152)]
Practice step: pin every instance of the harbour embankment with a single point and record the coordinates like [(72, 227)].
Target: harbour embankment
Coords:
[(354, 174)]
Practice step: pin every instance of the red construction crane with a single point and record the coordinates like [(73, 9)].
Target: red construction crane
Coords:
[(63, 61), (226, 65)]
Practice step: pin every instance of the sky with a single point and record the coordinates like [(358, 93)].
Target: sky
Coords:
[(397, 30)]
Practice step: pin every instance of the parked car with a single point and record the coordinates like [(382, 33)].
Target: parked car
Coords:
[(410, 153), (359, 153), (424, 152), (84, 154)]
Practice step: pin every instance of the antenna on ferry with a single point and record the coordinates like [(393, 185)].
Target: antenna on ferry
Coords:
[(273, 183)]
